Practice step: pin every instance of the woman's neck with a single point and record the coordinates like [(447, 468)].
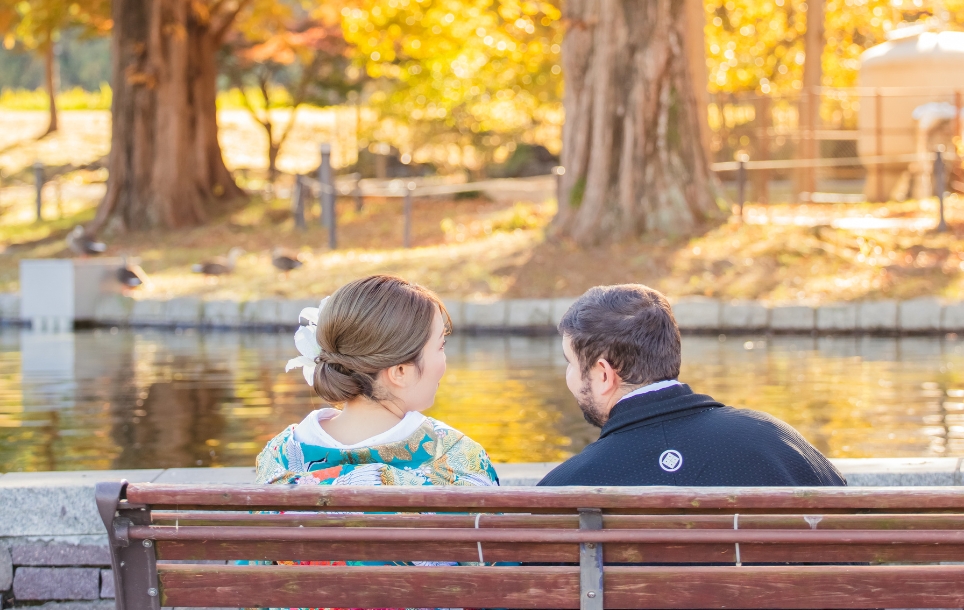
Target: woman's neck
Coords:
[(361, 419)]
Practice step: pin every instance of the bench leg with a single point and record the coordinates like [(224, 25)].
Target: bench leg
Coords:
[(134, 562), (590, 562)]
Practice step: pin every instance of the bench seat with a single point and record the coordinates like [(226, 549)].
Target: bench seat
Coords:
[(606, 547)]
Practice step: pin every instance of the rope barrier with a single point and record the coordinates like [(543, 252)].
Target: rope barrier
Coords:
[(730, 166)]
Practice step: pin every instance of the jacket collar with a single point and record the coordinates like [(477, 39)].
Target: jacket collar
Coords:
[(652, 407)]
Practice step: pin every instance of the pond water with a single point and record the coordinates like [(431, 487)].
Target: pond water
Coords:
[(147, 399)]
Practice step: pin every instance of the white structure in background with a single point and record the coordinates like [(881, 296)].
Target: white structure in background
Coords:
[(935, 124), (55, 293), (917, 66)]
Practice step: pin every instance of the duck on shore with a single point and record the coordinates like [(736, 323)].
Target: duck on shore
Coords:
[(219, 265), (285, 260), (131, 275), (79, 243)]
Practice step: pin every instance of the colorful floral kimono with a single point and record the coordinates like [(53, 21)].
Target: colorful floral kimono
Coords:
[(435, 454)]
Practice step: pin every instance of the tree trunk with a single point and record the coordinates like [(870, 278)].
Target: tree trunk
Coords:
[(695, 43), (50, 81), (632, 146), (809, 107), (165, 163)]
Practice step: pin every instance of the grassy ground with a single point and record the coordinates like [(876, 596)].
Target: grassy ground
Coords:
[(476, 248), (482, 249)]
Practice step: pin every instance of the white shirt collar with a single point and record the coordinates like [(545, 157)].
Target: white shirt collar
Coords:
[(659, 385)]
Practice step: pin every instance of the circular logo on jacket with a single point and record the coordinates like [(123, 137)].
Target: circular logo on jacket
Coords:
[(671, 460)]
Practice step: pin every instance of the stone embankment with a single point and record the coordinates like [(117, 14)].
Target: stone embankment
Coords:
[(917, 316), (53, 547)]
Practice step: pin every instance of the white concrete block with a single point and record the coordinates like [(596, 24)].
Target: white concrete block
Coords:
[(485, 315), (953, 317), (114, 309), (184, 311), (919, 315), (792, 318), (698, 313), (877, 316), (223, 313), (560, 305), (837, 317), (149, 312), (263, 312), (69, 288), (529, 313), (10, 306), (744, 315)]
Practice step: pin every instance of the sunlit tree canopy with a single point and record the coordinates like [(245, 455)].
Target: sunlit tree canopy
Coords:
[(478, 68)]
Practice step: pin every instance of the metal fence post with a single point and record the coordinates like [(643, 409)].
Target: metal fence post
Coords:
[(559, 172), (327, 194), (939, 186), (409, 189), (298, 203), (38, 174), (741, 184)]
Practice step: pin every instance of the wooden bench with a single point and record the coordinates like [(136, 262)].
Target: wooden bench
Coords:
[(899, 538)]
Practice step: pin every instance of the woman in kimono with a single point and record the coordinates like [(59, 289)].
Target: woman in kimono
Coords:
[(376, 347)]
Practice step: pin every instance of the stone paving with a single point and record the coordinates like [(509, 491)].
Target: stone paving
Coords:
[(925, 315)]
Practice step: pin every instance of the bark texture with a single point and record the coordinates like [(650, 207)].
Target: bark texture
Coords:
[(809, 109), (165, 163), (632, 148), (50, 84)]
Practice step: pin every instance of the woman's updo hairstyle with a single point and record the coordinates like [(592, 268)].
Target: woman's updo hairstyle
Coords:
[(367, 326)]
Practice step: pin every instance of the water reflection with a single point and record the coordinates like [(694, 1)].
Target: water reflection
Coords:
[(122, 399)]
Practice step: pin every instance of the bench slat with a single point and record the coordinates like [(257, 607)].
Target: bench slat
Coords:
[(518, 535), (753, 521), (553, 553), (558, 587), (549, 499)]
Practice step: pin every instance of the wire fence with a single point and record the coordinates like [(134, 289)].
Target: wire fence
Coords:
[(836, 140)]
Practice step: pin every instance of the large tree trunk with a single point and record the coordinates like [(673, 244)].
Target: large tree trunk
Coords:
[(809, 107), (50, 82), (165, 163), (632, 146)]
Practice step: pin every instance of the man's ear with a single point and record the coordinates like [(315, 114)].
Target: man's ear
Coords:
[(607, 376)]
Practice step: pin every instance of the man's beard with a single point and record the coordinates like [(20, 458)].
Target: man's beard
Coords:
[(591, 410)]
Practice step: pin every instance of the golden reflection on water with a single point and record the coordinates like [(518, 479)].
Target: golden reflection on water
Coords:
[(150, 399)]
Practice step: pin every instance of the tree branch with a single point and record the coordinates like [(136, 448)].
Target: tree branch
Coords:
[(239, 83), (299, 96), (220, 26)]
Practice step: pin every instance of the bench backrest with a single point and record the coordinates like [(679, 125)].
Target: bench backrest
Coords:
[(176, 546)]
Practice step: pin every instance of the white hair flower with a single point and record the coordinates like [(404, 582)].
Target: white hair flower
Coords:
[(307, 343)]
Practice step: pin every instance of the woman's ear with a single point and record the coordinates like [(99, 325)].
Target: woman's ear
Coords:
[(397, 376)]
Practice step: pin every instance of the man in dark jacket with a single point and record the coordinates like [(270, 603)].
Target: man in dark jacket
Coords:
[(623, 349)]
